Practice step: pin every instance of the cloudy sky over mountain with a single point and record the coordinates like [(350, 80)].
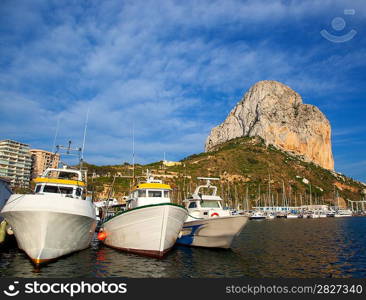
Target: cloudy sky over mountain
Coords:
[(172, 70)]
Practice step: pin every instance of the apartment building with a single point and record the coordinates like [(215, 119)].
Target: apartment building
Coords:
[(15, 162), (42, 160)]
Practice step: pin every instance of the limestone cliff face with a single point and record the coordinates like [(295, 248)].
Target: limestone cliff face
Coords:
[(276, 113)]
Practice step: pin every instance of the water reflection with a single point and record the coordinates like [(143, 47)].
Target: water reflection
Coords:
[(332, 247)]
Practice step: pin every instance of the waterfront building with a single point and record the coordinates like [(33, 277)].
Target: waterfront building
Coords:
[(15, 162), (41, 160)]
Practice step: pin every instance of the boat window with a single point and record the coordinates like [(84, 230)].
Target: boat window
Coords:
[(78, 192), (38, 188), (57, 189), (50, 189), (213, 204), (155, 193), (192, 205), (166, 194), (67, 175), (142, 193)]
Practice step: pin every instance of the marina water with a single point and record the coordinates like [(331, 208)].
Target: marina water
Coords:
[(299, 248)]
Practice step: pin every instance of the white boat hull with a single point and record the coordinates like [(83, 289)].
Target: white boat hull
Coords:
[(342, 216), (48, 227), (257, 217), (213, 232), (149, 230), (292, 217)]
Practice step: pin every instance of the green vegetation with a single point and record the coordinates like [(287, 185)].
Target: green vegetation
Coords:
[(242, 163)]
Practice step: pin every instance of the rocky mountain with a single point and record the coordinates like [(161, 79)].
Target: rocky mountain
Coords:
[(276, 113)]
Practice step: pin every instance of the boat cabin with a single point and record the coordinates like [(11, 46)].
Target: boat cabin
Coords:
[(152, 191), (65, 182), (205, 202)]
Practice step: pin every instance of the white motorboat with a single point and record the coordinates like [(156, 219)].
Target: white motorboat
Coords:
[(330, 214), (292, 216), (257, 215), (323, 214), (208, 224), (54, 221), (150, 224), (343, 213), (270, 216), (314, 215)]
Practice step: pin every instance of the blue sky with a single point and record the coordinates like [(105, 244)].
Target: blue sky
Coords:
[(173, 70)]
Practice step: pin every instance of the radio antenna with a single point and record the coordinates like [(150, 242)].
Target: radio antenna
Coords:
[(133, 152), (56, 133)]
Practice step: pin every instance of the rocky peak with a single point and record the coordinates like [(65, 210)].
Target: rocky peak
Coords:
[(275, 112)]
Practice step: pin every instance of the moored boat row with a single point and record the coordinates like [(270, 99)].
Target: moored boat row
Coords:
[(59, 218), (259, 215)]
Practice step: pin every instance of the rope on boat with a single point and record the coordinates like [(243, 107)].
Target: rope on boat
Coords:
[(8, 202), (195, 217)]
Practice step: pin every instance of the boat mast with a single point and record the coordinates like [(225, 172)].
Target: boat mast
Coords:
[(269, 188), (283, 194), (105, 213), (83, 146), (311, 201), (133, 153), (247, 198)]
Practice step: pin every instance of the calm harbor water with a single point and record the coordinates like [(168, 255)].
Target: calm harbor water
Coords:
[(302, 248)]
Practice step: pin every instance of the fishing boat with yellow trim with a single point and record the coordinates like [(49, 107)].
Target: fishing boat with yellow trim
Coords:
[(56, 220), (150, 224)]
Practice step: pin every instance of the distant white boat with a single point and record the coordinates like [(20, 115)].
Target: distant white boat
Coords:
[(314, 215), (257, 215), (343, 213), (322, 214), (330, 214), (270, 216), (291, 216)]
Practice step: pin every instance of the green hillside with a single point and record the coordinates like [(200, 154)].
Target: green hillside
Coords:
[(248, 170)]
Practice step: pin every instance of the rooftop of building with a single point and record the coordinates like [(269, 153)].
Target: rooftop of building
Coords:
[(7, 141), (43, 151)]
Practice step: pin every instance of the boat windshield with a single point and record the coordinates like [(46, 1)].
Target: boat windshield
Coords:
[(151, 193), (57, 189), (211, 204), (141, 193), (155, 193)]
